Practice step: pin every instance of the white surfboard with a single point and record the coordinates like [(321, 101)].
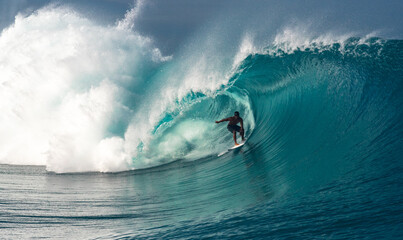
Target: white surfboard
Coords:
[(237, 146), (232, 148)]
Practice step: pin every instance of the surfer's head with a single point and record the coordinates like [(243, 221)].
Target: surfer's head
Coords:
[(236, 114)]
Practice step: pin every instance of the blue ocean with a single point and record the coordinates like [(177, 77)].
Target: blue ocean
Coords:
[(107, 124)]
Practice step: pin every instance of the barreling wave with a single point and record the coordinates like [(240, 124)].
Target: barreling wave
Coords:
[(78, 97), (325, 108)]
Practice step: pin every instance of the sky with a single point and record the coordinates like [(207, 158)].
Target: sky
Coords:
[(170, 23)]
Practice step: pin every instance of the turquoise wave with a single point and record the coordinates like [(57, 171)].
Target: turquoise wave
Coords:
[(327, 106)]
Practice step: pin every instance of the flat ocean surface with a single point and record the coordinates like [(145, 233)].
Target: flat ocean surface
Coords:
[(107, 127)]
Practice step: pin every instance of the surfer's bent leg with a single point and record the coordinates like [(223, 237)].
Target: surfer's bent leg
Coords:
[(234, 129), (235, 138)]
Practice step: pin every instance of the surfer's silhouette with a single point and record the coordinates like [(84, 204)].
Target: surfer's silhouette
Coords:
[(233, 127)]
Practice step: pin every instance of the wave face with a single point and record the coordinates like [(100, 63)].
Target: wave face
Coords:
[(323, 111), (323, 156)]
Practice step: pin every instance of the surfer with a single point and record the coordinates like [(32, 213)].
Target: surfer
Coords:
[(233, 127)]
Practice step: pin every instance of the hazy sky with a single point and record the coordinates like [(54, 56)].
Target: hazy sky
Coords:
[(171, 22)]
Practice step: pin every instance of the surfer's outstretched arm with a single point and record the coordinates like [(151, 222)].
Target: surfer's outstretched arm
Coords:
[(223, 120)]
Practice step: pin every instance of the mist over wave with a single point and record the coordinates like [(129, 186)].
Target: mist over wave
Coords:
[(65, 83)]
